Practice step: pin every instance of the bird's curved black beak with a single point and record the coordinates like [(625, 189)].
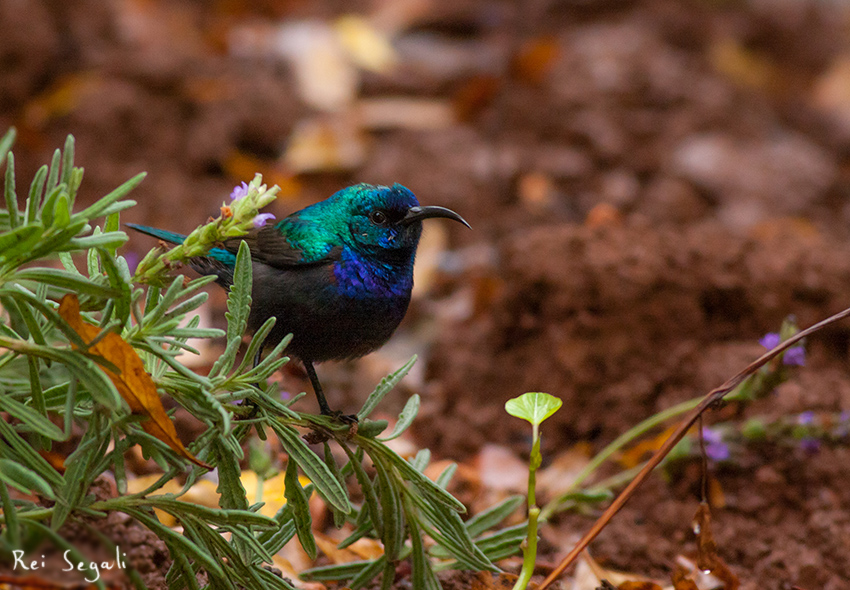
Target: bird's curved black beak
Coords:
[(415, 214)]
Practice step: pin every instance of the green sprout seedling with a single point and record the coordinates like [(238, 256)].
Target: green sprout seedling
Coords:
[(534, 407)]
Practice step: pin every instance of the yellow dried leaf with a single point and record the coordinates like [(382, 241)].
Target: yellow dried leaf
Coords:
[(132, 381)]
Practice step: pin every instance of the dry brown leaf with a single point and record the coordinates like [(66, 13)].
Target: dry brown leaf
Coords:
[(706, 546), (132, 381), (707, 558)]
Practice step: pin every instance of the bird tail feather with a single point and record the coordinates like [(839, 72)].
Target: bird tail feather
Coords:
[(167, 236)]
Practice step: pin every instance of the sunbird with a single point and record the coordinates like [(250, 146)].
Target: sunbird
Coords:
[(337, 275)]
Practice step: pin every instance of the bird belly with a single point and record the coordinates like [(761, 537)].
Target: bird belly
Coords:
[(325, 323)]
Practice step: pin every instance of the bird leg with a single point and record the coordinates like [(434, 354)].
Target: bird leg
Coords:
[(320, 396)]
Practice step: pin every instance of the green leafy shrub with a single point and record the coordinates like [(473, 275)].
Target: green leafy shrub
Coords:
[(56, 373)]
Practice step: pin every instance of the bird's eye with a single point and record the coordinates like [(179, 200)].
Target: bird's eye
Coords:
[(378, 217)]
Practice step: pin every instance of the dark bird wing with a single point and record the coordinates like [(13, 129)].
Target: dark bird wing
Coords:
[(283, 246)]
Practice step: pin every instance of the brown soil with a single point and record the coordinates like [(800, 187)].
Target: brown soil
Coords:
[(646, 205)]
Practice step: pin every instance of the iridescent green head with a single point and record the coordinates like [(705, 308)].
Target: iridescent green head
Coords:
[(383, 218)]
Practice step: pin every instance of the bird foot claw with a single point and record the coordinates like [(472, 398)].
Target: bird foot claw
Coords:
[(338, 416)]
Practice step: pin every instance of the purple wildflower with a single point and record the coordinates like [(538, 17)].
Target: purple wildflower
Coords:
[(261, 219), (844, 416), (794, 356), (239, 192), (715, 448), (806, 418), (809, 445), (770, 340)]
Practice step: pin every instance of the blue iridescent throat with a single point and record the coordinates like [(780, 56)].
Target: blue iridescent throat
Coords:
[(360, 278)]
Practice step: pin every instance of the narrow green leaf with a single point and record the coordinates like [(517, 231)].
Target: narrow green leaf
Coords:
[(313, 467), (27, 456), (446, 475), (361, 531), (372, 505), (110, 241), (24, 479), (67, 160), (420, 460), (49, 204), (405, 419), (62, 211), (274, 540), (368, 573), (296, 497), (65, 280), (101, 206), (448, 531), (330, 461), (342, 571), (179, 542), (534, 406), (9, 189), (383, 388), (238, 309), (36, 189), (33, 419), (53, 174), (10, 513), (427, 488), (484, 521), (6, 143), (422, 575), (20, 238), (181, 574), (270, 580), (392, 513)]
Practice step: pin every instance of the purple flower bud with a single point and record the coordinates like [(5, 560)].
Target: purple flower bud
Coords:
[(261, 219), (715, 448), (770, 340), (794, 357), (239, 192)]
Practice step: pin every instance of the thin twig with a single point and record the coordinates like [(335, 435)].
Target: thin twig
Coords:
[(712, 398)]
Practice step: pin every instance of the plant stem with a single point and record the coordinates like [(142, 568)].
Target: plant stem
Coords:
[(529, 550)]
